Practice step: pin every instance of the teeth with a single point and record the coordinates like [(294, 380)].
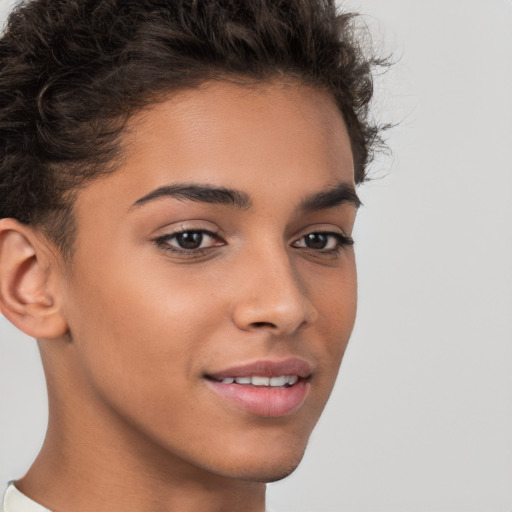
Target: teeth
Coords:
[(256, 380), (260, 381), (278, 381)]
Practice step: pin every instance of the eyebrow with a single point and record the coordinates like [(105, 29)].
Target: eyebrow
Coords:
[(339, 194), (201, 194)]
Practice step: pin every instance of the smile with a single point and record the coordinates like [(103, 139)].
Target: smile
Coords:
[(281, 381), (264, 388)]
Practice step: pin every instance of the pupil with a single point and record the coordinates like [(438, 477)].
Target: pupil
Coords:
[(316, 241), (190, 239)]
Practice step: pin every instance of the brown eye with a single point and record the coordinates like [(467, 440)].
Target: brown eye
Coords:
[(316, 240), (189, 239), (323, 241)]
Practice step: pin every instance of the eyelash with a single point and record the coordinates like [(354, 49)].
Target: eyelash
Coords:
[(163, 242), (341, 241)]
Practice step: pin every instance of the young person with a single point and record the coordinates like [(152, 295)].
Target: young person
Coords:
[(177, 196)]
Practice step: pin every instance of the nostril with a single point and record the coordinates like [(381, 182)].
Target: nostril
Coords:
[(263, 324)]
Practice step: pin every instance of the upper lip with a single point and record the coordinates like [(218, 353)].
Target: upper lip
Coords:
[(266, 368)]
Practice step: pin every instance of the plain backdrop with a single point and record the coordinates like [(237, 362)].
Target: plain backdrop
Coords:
[(421, 416)]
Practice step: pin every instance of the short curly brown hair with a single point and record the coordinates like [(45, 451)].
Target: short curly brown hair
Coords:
[(72, 72)]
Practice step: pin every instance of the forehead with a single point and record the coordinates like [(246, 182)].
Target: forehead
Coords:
[(281, 134)]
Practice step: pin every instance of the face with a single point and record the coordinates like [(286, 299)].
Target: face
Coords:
[(212, 291)]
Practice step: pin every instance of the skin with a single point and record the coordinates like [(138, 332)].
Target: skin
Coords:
[(129, 329)]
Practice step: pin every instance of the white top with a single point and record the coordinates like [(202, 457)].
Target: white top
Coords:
[(15, 501)]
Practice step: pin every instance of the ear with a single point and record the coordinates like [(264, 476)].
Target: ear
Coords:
[(29, 297)]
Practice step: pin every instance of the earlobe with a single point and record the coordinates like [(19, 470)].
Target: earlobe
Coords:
[(26, 297)]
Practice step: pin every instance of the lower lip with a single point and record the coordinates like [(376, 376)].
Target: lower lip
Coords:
[(267, 401)]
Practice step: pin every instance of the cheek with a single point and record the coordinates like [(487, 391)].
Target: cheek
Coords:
[(336, 304), (137, 343), (125, 329)]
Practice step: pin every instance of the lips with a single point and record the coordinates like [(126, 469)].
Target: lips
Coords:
[(264, 388)]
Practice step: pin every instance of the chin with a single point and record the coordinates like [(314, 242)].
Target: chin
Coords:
[(269, 477), (271, 468)]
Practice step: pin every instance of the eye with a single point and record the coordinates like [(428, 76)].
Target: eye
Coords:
[(323, 241), (189, 241)]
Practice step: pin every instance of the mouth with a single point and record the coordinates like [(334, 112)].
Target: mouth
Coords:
[(259, 380), (264, 388)]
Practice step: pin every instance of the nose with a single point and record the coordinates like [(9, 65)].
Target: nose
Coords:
[(271, 297)]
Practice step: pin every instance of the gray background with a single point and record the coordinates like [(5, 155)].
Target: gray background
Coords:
[(421, 417)]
